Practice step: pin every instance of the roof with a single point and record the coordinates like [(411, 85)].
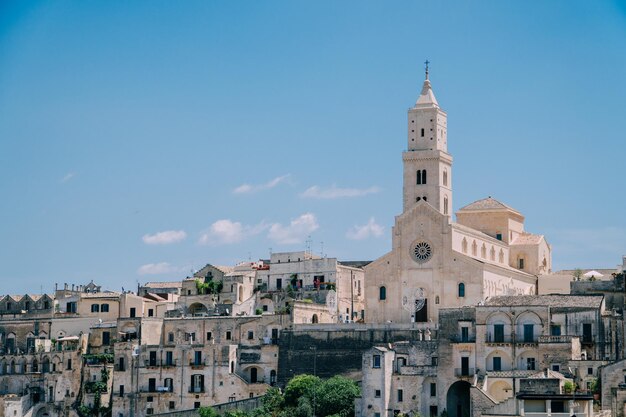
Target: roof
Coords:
[(355, 264), (488, 203), (547, 373), (427, 97), (170, 284), (527, 239), (555, 300)]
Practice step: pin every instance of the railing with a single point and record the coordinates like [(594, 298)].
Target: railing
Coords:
[(466, 372), (197, 364), (492, 338), (555, 339), (196, 390), (461, 339), (524, 340)]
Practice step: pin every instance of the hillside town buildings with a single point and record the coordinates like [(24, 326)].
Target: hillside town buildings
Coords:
[(461, 318)]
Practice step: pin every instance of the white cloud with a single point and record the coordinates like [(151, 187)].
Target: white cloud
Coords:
[(365, 231), (68, 177), (296, 231), (247, 188), (333, 192), (164, 238), (157, 269), (226, 231)]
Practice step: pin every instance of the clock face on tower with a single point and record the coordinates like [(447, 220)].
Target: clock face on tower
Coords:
[(421, 252)]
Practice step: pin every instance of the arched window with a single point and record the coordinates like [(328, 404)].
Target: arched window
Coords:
[(423, 176), (422, 132), (104, 308), (253, 375), (437, 299), (445, 177), (314, 319), (382, 293), (445, 205), (95, 308), (461, 289), (425, 199), (520, 263), (418, 199)]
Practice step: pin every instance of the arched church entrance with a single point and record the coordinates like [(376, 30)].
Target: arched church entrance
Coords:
[(458, 399)]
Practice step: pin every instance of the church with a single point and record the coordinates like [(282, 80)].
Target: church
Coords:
[(437, 263)]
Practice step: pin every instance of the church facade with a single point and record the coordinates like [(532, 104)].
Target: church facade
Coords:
[(435, 262)]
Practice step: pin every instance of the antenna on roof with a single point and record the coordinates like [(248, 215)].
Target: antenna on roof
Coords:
[(322, 249), (307, 251)]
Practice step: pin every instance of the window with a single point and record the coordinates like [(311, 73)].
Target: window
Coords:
[(169, 384), (497, 363), (377, 393), (153, 358), (228, 335), (529, 335), (498, 333), (445, 178), (520, 263), (587, 335), (464, 334), (169, 358), (445, 205), (149, 399), (133, 311), (196, 404), (382, 293), (95, 308), (46, 305), (209, 335), (250, 335), (589, 371), (104, 308), (170, 337), (149, 411), (121, 390), (558, 406), (150, 312), (421, 177), (151, 384), (121, 366), (197, 358), (172, 405), (433, 389), (530, 364), (556, 367), (461, 289), (436, 299), (69, 364), (434, 361), (265, 307), (499, 236), (434, 412), (197, 383), (400, 395), (555, 329), (279, 283), (106, 338), (376, 361)]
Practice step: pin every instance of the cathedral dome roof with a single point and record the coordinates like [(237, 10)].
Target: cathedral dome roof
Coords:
[(488, 203)]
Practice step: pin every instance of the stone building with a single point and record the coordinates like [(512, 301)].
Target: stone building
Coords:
[(483, 355), (434, 262)]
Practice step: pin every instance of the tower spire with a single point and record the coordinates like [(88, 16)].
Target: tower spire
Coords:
[(426, 63)]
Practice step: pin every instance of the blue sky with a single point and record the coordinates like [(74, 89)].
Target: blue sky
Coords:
[(140, 140)]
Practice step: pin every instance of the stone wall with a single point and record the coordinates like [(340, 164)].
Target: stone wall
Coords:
[(325, 351)]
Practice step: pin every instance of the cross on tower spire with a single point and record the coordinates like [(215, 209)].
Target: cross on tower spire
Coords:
[(426, 63)]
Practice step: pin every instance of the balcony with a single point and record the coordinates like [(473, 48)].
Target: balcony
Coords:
[(197, 364), (196, 390), (495, 339), (555, 339), (462, 339), (464, 372)]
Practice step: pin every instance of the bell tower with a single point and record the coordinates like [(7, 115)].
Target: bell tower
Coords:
[(427, 163)]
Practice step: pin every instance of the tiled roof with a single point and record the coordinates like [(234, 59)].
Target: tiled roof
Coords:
[(170, 284), (588, 301), (486, 204)]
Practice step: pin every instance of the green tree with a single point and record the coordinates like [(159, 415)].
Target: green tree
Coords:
[(236, 413), (207, 412), (300, 386), (273, 401), (336, 396)]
